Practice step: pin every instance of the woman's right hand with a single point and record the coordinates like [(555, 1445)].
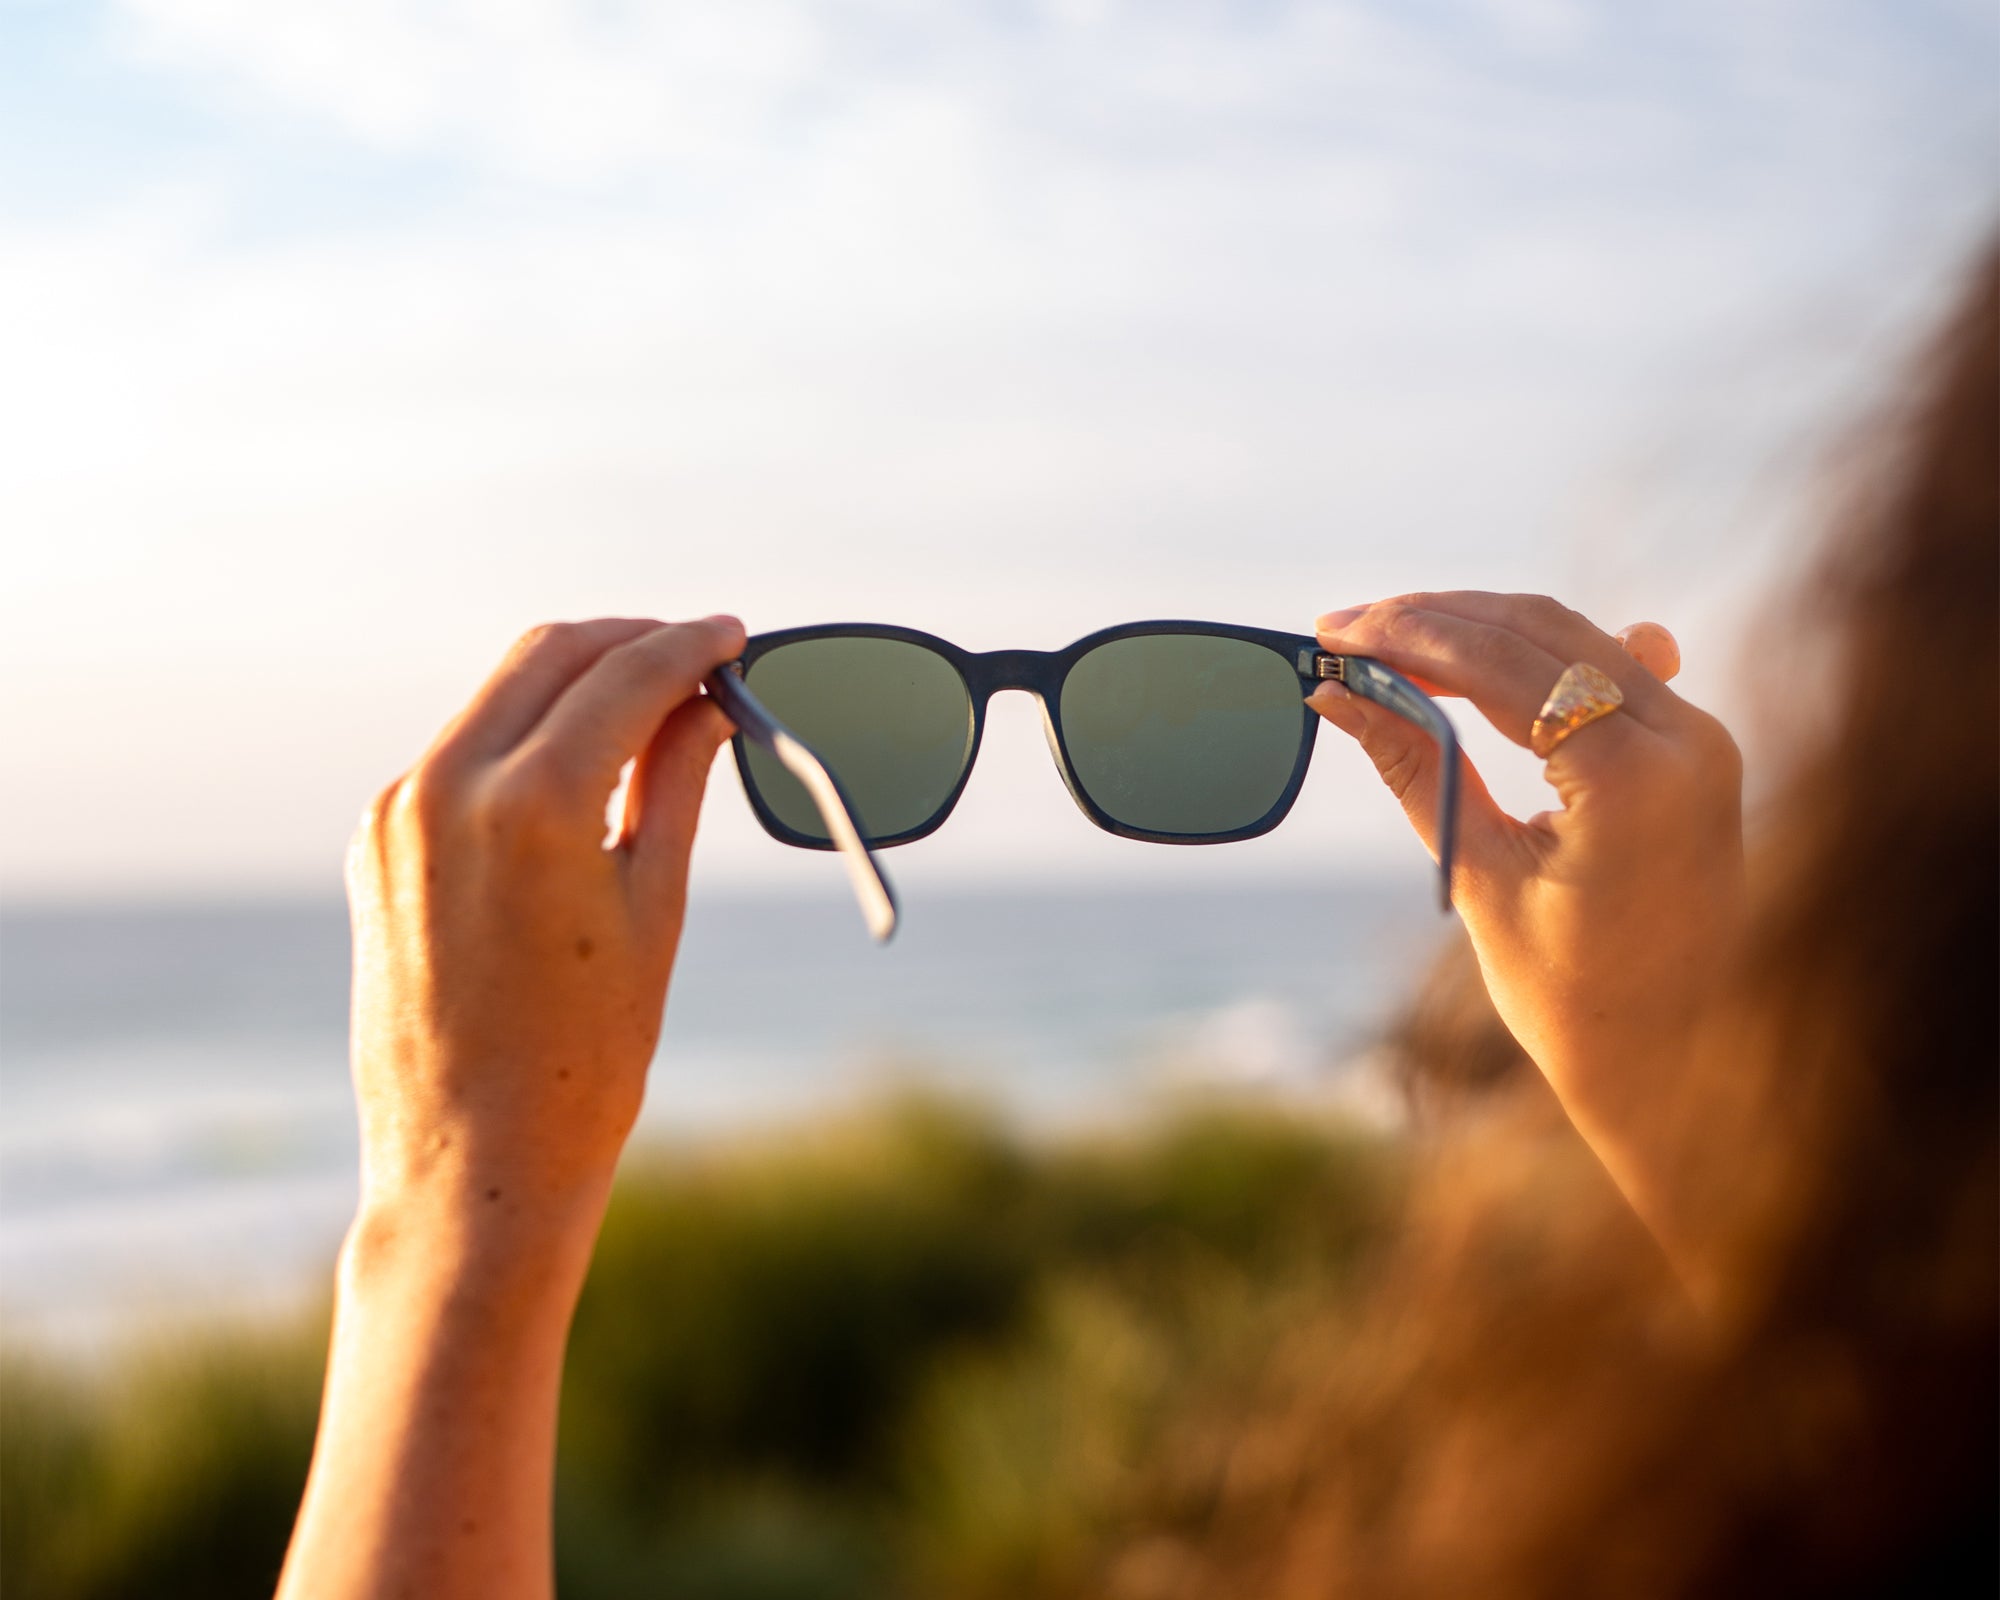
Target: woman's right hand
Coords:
[(1600, 927)]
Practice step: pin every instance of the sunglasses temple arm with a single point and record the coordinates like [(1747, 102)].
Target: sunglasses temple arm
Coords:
[(1387, 687), (871, 886)]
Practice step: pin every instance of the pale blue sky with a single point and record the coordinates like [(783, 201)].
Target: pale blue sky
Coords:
[(342, 341)]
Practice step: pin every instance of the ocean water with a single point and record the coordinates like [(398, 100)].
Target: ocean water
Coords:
[(177, 1133)]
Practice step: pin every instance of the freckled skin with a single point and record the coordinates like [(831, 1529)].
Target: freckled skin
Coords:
[(485, 1169)]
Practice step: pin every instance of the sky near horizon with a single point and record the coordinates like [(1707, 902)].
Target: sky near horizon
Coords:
[(340, 342)]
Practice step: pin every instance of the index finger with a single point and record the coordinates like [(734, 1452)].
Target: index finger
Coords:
[(543, 662), (609, 715), (1507, 676), (1567, 635)]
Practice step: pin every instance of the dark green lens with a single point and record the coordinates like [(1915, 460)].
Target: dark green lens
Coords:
[(891, 719), (1183, 733)]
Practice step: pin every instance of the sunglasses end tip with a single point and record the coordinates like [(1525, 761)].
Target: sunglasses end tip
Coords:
[(882, 915)]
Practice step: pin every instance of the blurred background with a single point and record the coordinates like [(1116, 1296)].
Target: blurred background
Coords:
[(340, 343)]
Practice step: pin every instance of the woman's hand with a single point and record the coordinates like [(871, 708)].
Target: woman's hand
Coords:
[(509, 969), (1600, 927), (509, 975)]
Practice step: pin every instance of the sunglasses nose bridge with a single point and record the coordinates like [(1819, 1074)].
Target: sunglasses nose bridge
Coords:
[(1031, 671)]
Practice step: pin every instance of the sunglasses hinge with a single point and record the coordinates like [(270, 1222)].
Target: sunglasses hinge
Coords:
[(1320, 664)]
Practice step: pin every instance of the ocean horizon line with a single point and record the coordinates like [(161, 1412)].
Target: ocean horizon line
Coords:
[(1014, 886)]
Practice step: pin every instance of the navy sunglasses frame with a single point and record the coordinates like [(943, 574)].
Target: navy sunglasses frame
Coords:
[(1042, 673)]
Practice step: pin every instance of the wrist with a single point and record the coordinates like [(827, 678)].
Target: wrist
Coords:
[(454, 1245)]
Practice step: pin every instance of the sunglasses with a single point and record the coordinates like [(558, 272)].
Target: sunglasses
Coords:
[(858, 736)]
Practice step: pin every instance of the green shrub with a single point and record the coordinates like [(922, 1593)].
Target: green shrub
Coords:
[(771, 1312), (177, 1475), (904, 1354)]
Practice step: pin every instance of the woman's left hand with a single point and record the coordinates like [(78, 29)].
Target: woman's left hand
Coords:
[(509, 970), (509, 973), (1600, 927)]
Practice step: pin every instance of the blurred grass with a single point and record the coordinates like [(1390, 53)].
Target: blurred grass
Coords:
[(903, 1355)]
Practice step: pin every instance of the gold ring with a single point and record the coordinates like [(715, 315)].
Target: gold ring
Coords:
[(1582, 694)]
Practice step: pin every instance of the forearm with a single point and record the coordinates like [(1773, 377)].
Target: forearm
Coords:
[(1631, 1138), (1618, 1041), (1632, 1096), (509, 974), (433, 1470)]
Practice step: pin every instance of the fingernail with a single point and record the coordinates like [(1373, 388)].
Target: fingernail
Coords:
[(722, 619), (1329, 693), (1334, 621)]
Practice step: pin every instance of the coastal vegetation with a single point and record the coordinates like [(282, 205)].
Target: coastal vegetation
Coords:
[(910, 1353)]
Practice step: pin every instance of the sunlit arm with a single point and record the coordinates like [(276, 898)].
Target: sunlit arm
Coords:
[(509, 975), (433, 1471)]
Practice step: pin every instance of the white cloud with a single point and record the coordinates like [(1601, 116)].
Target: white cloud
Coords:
[(1004, 327), (557, 89), (589, 91)]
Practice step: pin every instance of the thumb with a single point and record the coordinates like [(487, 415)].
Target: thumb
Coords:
[(1408, 760)]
